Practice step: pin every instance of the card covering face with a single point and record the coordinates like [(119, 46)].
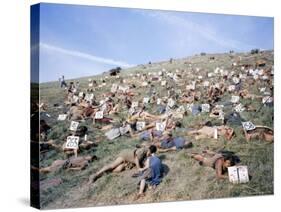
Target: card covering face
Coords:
[(118, 89)]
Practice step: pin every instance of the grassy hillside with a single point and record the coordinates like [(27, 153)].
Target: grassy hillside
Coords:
[(186, 179)]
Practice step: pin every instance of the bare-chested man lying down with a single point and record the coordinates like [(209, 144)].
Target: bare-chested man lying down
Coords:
[(213, 132), (126, 159), (73, 163), (217, 161)]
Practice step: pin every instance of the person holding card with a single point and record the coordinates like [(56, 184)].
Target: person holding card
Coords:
[(218, 161)]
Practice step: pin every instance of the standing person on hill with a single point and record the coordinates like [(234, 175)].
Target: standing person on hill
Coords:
[(62, 82)]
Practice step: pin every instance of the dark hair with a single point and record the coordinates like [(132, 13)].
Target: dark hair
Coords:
[(178, 124), (152, 148), (229, 155)]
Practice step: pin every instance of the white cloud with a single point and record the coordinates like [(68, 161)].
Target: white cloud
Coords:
[(205, 31), (74, 53)]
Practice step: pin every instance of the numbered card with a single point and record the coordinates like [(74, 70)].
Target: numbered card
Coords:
[(145, 100), (160, 126), (114, 88), (235, 99), (163, 83), (132, 111), (243, 174), (205, 108), (206, 83), (91, 84), (189, 107), (181, 109), (171, 102), (239, 108), (75, 98), (233, 174), (159, 101), (62, 117), (248, 126), (74, 125), (135, 104), (231, 88), (210, 75), (200, 77), (140, 125), (80, 94), (235, 80), (72, 142), (267, 99), (99, 115), (238, 174), (89, 97), (144, 84)]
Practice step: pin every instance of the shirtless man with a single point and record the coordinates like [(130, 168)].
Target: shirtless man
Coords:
[(213, 132), (126, 158), (73, 163), (217, 161)]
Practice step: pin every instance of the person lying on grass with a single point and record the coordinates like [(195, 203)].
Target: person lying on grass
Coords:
[(213, 132), (73, 163), (151, 172), (169, 143), (219, 161), (126, 159)]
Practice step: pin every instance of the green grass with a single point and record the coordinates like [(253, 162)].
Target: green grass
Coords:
[(185, 180)]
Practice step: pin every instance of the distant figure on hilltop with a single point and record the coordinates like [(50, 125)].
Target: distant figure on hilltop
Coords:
[(62, 82)]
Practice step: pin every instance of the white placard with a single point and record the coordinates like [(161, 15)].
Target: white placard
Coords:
[(89, 97), (99, 115), (163, 83), (131, 111), (140, 125), (160, 126), (205, 108), (144, 84), (210, 75), (235, 80), (239, 108), (267, 99), (135, 104), (231, 88), (145, 100), (75, 98), (200, 77), (171, 102), (181, 109), (248, 125), (235, 99), (159, 101), (114, 88), (72, 142), (80, 94), (73, 125), (62, 117), (238, 174), (91, 84), (189, 107), (206, 83)]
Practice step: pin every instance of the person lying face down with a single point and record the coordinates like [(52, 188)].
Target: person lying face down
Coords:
[(73, 163), (126, 159), (213, 132), (168, 143), (217, 161)]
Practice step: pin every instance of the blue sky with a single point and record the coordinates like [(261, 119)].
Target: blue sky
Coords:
[(78, 41)]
